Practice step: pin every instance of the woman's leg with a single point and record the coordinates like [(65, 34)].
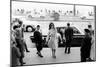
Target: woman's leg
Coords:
[(54, 53)]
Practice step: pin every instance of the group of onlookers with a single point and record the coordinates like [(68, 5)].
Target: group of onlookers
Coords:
[(19, 46)]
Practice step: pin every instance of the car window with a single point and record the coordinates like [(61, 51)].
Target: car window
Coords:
[(76, 31)]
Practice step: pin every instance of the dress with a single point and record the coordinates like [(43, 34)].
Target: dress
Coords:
[(92, 55), (52, 39)]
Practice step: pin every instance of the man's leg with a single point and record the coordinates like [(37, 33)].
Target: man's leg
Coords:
[(21, 58), (66, 48), (83, 58), (26, 48), (39, 49), (69, 45)]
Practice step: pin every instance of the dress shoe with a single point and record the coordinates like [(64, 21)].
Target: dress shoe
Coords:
[(40, 55), (27, 51)]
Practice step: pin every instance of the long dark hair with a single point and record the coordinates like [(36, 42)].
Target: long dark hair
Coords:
[(51, 25)]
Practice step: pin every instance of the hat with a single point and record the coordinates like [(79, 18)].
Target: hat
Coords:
[(14, 27), (89, 26), (87, 30)]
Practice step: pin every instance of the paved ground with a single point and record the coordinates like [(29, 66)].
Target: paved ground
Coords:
[(31, 58), (28, 40)]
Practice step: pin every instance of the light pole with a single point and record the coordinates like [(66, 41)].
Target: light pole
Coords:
[(74, 10)]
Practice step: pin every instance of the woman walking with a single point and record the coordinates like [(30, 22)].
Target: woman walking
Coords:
[(52, 39)]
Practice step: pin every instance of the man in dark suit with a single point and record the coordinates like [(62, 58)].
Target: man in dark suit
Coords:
[(38, 40), (68, 38), (86, 46)]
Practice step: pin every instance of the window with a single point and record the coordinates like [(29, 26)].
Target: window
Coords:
[(76, 31)]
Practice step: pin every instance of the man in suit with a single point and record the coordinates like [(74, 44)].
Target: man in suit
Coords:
[(38, 40), (22, 34), (86, 46), (68, 38)]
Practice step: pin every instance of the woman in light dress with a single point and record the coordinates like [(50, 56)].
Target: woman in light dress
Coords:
[(92, 53), (52, 40)]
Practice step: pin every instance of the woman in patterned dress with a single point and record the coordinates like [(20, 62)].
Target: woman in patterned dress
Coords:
[(52, 39)]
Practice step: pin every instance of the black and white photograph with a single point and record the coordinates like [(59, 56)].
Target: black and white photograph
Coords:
[(51, 33)]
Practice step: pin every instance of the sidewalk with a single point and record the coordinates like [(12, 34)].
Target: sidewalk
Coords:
[(31, 58)]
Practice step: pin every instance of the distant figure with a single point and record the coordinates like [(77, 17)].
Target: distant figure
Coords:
[(56, 16), (86, 46), (52, 39), (68, 38), (38, 40)]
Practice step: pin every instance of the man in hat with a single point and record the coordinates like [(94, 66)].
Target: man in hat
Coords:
[(86, 46)]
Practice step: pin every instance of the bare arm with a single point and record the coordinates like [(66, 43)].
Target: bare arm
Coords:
[(48, 36), (64, 36)]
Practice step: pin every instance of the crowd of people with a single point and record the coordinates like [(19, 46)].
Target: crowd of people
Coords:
[(18, 43)]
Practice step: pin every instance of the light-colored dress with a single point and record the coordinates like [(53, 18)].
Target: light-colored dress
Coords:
[(52, 39), (92, 53)]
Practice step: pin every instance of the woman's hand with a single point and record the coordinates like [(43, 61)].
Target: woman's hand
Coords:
[(61, 42)]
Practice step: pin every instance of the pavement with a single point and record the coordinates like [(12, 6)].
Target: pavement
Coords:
[(32, 58)]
